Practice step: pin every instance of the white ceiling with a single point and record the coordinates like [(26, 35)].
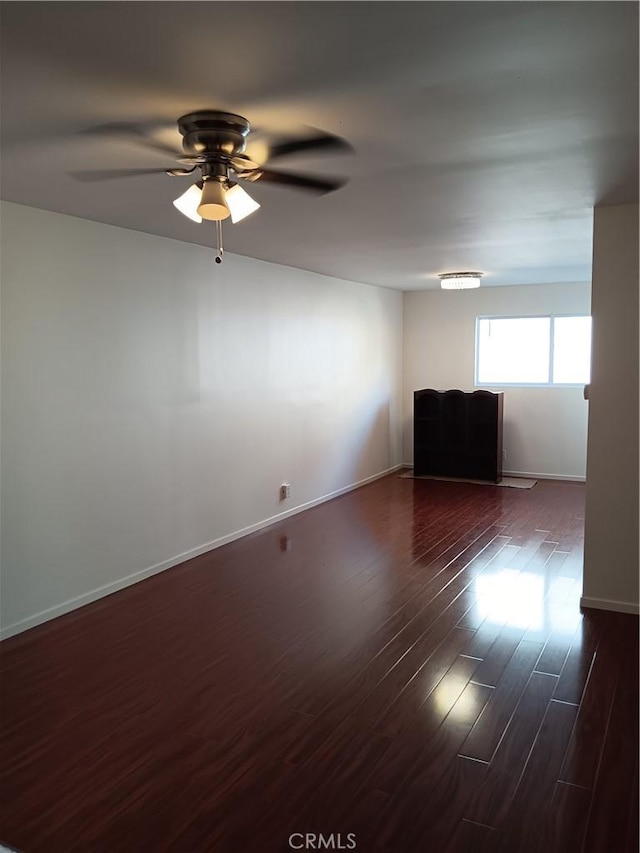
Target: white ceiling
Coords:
[(484, 133)]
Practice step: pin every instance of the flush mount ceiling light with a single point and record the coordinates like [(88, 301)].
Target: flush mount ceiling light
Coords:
[(460, 280), (214, 143)]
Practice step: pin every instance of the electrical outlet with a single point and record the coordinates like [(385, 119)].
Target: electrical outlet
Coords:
[(285, 491), (285, 544), (504, 455)]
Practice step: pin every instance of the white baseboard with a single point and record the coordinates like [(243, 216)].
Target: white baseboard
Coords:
[(607, 604), (534, 475), (531, 475), (129, 580)]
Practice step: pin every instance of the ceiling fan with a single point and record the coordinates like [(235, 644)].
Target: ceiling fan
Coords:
[(214, 146)]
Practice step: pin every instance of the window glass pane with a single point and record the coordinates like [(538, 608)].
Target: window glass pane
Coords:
[(513, 350), (572, 350)]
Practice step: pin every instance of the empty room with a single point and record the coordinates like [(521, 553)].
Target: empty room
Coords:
[(319, 427)]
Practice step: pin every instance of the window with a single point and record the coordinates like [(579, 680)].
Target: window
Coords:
[(533, 350), (571, 350)]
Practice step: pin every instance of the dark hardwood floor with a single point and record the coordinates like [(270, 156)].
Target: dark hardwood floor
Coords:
[(407, 663)]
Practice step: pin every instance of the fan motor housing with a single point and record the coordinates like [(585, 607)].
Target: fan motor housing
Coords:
[(210, 132)]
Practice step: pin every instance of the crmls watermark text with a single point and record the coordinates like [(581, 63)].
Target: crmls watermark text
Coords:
[(318, 841)]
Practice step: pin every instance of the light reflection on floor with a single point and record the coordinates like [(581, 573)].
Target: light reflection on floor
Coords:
[(510, 596), (521, 599), (458, 697)]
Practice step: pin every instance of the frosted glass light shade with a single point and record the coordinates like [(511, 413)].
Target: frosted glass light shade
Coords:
[(216, 202), (188, 203), (240, 203), (213, 205), (460, 280)]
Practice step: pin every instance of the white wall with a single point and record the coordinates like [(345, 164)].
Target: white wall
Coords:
[(545, 429), (153, 402), (611, 521)]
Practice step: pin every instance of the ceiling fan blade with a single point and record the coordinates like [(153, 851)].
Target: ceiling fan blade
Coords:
[(91, 175), (133, 133), (309, 183), (320, 142)]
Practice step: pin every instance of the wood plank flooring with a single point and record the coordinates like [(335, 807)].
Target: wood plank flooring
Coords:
[(407, 663)]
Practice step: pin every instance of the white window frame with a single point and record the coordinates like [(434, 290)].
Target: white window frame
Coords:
[(550, 384)]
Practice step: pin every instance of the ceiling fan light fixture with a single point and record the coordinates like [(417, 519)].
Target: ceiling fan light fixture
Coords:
[(239, 203), (213, 205), (188, 202), (460, 280)]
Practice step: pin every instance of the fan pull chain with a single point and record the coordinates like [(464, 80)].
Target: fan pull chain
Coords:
[(219, 249)]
